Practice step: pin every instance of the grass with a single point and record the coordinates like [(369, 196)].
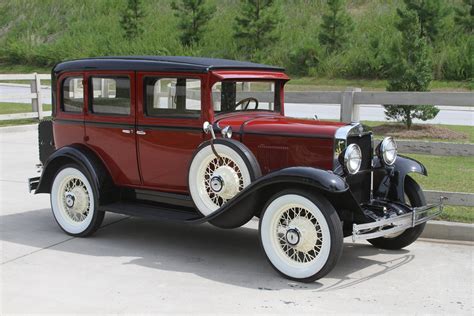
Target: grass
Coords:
[(19, 122), (10, 107), (453, 174), (469, 130)]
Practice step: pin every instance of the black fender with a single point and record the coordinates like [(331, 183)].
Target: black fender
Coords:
[(390, 183), (87, 160), (250, 201)]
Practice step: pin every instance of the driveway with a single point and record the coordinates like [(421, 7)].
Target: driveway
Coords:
[(133, 265)]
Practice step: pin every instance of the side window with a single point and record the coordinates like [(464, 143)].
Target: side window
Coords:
[(110, 95), (72, 95), (172, 96)]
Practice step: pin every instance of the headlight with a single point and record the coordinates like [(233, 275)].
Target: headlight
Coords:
[(352, 158), (387, 151)]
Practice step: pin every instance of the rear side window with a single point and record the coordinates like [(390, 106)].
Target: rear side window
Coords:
[(110, 95), (73, 95), (172, 96)]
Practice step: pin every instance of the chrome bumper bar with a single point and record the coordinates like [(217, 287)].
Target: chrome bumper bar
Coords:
[(392, 225)]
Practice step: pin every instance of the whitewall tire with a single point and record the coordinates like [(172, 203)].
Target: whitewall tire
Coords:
[(301, 235), (213, 181), (74, 202)]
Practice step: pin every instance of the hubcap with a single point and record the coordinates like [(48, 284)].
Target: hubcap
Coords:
[(292, 236)]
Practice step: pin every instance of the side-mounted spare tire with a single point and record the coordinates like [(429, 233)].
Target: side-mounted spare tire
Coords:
[(215, 180)]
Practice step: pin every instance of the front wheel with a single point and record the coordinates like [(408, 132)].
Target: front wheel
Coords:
[(415, 198), (301, 235), (74, 202)]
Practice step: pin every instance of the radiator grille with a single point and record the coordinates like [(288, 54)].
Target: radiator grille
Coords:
[(360, 183)]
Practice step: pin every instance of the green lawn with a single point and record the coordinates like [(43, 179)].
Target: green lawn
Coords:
[(453, 174), (10, 108)]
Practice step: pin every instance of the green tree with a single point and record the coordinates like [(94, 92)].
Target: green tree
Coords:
[(193, 16), (336, 26), (431, 15), (132, 19), (464, 17), (256, 26), (411, 70)]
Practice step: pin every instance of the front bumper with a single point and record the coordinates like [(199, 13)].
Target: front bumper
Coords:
[(395, 224), (33, 183)]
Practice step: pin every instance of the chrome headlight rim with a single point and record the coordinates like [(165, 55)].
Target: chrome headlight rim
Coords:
[(387, 151), (227, 132), (352, 153)]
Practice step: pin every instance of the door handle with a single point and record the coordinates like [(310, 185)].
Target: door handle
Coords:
[(140, 132), (127, 131)]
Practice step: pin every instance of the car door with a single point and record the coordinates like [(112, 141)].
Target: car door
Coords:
[(110, 123), (169, 129)]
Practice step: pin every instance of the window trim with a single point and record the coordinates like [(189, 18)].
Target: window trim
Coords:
[(90, 92), (61, 99), (196, 115)]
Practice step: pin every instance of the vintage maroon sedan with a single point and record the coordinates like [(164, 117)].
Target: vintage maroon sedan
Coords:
[(207, 140)]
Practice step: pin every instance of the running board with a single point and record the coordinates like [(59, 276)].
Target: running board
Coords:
[(153, 211)]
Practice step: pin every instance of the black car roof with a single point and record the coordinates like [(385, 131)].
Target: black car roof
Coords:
[(160, 63)]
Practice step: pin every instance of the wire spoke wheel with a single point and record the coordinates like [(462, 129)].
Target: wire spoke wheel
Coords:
[(73, 202), (214, 180), (75, 199), (223, 165), (305, 227), (301, 235)]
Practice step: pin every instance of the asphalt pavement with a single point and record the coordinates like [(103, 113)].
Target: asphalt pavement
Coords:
[(132, 265)]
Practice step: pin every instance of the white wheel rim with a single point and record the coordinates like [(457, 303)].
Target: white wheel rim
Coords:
[(206, 167), (289, 213), (72, 201)]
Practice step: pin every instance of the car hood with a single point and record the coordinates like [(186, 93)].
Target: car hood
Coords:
[(275, 124)]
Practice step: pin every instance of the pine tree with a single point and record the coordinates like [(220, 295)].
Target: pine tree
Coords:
[(336, 26), (431, 14), (255, 27), (411, 70), (193, 16), (131, 19), (464, 17)]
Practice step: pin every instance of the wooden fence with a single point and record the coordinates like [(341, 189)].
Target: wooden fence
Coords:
[(349, 102)]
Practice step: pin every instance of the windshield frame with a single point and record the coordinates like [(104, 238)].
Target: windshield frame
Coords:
[(278, 95)]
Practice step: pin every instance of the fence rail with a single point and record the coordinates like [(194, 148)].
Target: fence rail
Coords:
[(349, 102)]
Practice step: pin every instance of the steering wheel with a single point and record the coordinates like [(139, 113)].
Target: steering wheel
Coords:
[(248, 100)]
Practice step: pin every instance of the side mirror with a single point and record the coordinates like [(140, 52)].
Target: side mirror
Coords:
[(207, 127)]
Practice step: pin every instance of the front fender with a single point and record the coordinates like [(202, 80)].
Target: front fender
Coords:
[(250, 201), (392, 184)]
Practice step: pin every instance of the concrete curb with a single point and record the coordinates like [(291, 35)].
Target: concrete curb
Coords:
[(18, 128), (449, 231)]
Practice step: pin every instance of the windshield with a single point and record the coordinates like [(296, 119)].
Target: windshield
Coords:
[(231, 96)]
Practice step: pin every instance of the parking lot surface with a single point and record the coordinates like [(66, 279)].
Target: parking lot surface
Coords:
[(132, 265)]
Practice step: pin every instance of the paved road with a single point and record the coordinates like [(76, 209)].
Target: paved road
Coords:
[(136, 266), (447, 115)]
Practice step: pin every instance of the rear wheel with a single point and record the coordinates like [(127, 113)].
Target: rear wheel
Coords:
[(301, 235), (415, 197), (74, 202)]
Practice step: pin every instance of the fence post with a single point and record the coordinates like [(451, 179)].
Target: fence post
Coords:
[(36, 102), (349, 110)]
